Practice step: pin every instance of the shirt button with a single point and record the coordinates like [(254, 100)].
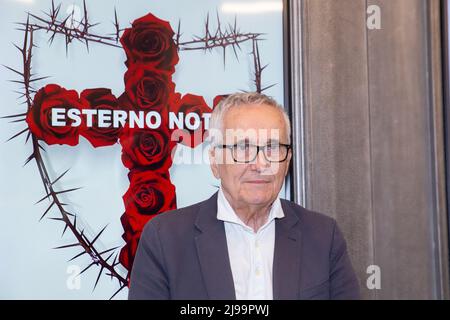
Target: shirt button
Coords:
[(257, 244), (257, 272)]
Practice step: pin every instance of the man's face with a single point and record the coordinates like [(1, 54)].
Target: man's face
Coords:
[(259, 181)]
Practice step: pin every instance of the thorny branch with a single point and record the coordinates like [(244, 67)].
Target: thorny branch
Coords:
[(101, 259), (224, 37), (258, 68), (66, 27), (219, 37)]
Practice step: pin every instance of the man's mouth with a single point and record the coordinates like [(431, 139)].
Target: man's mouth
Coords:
[(258, 181)]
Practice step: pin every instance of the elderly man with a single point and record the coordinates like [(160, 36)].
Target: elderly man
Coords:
[(244, 242)]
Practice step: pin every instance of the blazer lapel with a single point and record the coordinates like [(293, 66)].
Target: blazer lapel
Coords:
[(286, 260), (212, 252)]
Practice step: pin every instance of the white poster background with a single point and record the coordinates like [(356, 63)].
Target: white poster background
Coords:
[(29, 267)]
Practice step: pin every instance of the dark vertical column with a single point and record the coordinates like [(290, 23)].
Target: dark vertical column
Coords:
[(337, 170), (373, 138)]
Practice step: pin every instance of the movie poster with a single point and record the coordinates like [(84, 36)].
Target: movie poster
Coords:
[(104, 108)]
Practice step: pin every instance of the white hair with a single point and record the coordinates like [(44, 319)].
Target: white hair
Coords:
[(238, 100)]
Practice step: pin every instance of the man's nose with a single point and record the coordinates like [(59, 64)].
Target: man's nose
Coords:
[(260, 162)]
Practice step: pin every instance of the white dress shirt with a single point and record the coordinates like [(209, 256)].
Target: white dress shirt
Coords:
[(251, 254)]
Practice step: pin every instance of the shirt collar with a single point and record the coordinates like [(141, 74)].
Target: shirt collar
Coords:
[(226, 213)]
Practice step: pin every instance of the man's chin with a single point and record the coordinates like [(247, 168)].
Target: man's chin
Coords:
[(258, 200)]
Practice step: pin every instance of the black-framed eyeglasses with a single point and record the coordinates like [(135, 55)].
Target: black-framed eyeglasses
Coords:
[(247, 152)]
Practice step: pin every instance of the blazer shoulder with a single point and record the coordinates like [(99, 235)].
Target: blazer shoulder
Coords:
[(176, 219)]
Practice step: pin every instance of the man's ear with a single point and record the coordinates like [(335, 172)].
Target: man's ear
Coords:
[(213, 162), (288, 160)]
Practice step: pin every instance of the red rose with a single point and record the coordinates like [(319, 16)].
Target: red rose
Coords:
[(39, 118), (147, 88), (147, 148), (190, 103), (128, 252), (149, 193), (100, 99), (219, 98), (150, 41), (124, 102)]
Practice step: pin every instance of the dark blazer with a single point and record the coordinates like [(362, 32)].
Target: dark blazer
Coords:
[(183, 254)]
